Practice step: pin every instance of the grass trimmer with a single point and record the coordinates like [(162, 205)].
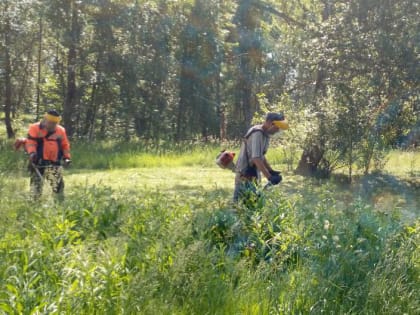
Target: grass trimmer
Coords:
[(38, 173), (267, 186)]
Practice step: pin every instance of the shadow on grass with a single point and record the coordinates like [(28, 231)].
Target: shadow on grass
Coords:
[(385, 192), (391, 182)]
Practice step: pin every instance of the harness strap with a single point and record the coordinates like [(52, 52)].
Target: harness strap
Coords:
[(247, 136)]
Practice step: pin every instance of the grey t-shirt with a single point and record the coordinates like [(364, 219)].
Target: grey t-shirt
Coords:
[(255, 146)]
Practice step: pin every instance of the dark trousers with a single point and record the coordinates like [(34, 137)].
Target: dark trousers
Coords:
[(51, 174)]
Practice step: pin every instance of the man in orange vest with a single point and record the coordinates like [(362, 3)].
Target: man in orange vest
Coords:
[(47, 145)]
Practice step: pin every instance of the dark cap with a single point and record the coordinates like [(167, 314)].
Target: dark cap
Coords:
[(53, 112), (274, 117)]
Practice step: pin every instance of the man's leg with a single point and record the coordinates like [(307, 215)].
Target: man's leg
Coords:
[(238, 188), (36, 182), (56, 181)]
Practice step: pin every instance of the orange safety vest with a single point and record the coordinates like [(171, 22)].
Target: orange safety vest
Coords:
[(49, 146)]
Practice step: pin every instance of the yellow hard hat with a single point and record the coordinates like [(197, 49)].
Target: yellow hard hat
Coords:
[(52, 116), (281, 124)]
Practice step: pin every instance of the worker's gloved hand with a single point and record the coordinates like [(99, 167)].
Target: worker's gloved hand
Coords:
[(67, 162), (275, 179), (273, 172), (33, 157)]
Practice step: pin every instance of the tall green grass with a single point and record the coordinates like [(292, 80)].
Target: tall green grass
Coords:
[(138, 154), (141, 154), (111, 155), (119, 155), (106, 251)]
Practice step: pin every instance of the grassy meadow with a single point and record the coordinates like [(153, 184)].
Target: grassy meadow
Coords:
[(151, 231)]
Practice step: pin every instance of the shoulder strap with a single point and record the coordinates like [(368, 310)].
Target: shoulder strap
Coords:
[(49, 134), (252, 131)]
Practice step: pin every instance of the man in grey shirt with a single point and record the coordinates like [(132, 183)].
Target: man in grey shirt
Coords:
[(251, 161)]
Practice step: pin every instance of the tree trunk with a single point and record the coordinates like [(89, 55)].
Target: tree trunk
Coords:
[(71, 94), (69, 103), (104, 123), (311, 157), (89, 125), (221, 108), (38, 82), (351, 160), (223, 135), (26, 74), (8, 79), (245, 84)]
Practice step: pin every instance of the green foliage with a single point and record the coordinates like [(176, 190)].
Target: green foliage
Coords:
[(183, 70), (144, 251), (363, 105)]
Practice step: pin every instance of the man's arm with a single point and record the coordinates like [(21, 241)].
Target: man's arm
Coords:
[(267, 165), (261, 165), (65, 146), (31, 142)]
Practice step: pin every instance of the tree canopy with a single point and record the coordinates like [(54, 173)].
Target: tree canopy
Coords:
[(177, 70)]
